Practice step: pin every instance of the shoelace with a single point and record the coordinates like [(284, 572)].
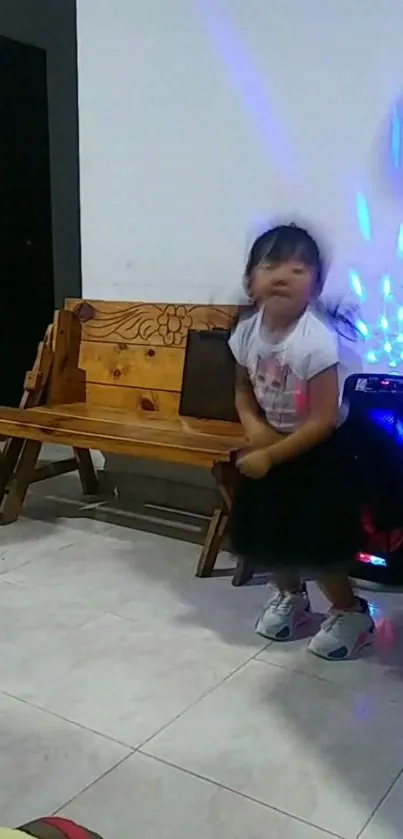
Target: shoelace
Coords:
[(282, 603), (334, 618)]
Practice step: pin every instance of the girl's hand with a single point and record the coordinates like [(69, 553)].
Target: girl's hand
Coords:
[(254, 464)]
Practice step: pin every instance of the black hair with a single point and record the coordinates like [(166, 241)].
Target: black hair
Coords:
[(283, 243), (290, 242)]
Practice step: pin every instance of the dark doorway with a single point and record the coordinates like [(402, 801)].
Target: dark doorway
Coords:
[(26, 253)]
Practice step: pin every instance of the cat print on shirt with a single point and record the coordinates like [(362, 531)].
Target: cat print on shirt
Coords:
[(279, 392)]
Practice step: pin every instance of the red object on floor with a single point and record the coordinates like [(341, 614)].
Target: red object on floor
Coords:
[(53, 827)]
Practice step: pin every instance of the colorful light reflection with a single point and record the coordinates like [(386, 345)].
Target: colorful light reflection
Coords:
[(385, 338), (369, 559)]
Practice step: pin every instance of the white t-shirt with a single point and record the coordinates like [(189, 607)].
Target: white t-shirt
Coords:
[(279, 369)]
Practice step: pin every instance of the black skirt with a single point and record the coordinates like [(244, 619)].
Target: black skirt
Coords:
[(302, 514)]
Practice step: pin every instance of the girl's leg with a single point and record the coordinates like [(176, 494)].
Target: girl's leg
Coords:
[(288, 583), (339, 591)]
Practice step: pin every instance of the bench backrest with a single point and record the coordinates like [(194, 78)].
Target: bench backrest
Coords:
[(126, 356)]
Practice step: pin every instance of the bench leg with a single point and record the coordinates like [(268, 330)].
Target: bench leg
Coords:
[(212, 543), (88, 476), (9, 460), (21, 481), (223, 474)]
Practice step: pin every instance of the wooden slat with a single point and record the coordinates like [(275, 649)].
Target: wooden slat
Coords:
[(67, 381), (101, 415), (123, 437), (153, 403), (158, 324), (127, 365)]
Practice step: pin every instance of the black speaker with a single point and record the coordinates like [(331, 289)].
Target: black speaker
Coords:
[(375, 427), (208, 384)]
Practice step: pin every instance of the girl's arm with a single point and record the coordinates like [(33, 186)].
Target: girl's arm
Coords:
[(322, 420), (323, 401), (258, 432)]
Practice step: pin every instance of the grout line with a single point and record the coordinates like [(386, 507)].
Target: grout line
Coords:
[(195, 702), (295, 672), (165, 509), (61, 499), (51, 713), (113, 739), (95, 781), (360, 832), (132, 514), (239, 793)]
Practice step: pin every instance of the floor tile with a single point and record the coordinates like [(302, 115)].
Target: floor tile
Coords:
[(44, 761), (145, 798), (305, 746), (122, 679), (377, 671), (387, 821), (26, 540), (128, 636), (93, 569)]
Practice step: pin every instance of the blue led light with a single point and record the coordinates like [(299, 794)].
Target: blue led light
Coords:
[(386, 286), (364, 219), (357, 285), (362, 328), (384, 336)]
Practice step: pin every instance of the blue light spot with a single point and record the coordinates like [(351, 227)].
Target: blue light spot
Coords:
[(386, 286), (248, 82), (392, 364), (396, 139), (364, 219), (387, 346), (400, 242), (400, 313), (399, 338), (383, 323), (378, 560), (362, 328), (371, 357), (357, 285)]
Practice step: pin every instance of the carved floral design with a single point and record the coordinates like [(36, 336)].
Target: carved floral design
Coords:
[(158, 324), (173, 325)]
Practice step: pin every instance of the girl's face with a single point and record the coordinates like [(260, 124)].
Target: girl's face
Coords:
[(283, 289)]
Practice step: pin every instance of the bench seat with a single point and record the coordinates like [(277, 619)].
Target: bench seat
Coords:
[(178, 440)]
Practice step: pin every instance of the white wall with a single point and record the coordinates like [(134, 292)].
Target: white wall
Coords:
[(201, 118)]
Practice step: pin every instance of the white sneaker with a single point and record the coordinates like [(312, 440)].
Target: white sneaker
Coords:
[(343, 634), (282, 613)]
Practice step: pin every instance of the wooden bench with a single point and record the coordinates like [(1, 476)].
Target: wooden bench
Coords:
[(108, 377)]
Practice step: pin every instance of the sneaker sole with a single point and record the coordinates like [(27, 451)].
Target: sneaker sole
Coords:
[(298, 621)]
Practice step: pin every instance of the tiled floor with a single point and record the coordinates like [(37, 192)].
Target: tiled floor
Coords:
[(138, 700)]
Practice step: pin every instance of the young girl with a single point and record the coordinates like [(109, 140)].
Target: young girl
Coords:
[(296, 503)]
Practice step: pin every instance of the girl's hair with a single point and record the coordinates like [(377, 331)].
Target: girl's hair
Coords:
[(290, 242)]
